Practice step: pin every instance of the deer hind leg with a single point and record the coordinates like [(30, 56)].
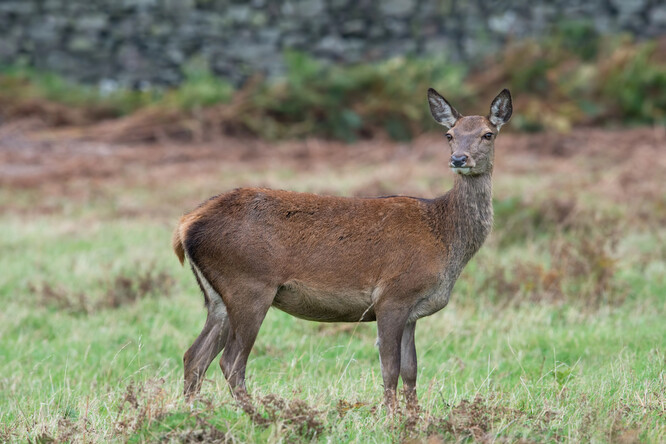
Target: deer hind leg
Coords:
[(249, 304), (211, 340)]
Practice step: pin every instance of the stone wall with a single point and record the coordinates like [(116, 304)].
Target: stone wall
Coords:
[(144, 42)]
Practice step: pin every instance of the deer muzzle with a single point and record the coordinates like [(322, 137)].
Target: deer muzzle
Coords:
[(459, 161)]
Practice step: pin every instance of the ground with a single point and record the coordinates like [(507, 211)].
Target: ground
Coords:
[(555, 330)]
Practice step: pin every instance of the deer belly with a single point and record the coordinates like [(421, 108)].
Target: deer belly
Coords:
[(316, 304)]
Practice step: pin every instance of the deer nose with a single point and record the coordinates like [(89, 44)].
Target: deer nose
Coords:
[(458, 161)]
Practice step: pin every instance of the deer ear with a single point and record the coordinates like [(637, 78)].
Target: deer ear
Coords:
[(501, 109), (440, 109)]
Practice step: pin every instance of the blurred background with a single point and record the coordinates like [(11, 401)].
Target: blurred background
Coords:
[(337, 69), (117, 116)]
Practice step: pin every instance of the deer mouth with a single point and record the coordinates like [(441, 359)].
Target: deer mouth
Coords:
[(461, 170)]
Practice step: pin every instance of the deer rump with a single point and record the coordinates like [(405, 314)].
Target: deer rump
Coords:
[(329, 259)]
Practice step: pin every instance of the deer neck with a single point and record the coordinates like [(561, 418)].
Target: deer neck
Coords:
[(465, 215)]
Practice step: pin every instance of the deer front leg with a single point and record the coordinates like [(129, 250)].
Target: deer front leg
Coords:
[(408, 366), (390, 326)]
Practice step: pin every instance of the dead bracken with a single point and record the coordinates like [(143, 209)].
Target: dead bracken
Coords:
[(120, 290)]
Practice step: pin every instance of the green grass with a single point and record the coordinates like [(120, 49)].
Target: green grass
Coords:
[(531, 346), (565, 373)]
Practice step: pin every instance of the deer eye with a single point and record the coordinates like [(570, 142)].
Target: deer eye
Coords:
[(488, 136), (449, 137)]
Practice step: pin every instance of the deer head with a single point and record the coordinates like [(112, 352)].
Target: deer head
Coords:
[(471, 138)]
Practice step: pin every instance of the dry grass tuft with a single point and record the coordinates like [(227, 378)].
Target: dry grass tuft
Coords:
[(121, 290), (478, 420), (292, 416), (6, 433), (69, 428), (578, 255), (140, 406), (343, 406), (579, 270), (621, 433), (203, 431)]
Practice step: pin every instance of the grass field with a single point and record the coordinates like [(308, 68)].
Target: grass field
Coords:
[(555, 332)]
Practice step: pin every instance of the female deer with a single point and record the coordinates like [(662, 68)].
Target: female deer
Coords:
[(392, 260)]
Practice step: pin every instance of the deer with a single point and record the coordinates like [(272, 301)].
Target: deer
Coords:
[(393, 260)]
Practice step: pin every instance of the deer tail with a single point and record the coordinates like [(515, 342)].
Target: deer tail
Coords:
[(177, 243)]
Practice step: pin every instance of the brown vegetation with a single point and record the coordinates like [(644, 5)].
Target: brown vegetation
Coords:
[(118, 291)]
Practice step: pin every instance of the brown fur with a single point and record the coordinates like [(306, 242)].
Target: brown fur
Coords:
[(335, 259), (177, 245)]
